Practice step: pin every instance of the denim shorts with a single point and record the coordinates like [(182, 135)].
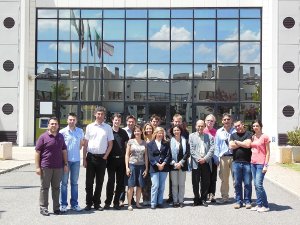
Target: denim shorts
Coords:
[(136, 177)]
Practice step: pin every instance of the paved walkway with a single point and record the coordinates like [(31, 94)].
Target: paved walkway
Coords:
[(283, 177)]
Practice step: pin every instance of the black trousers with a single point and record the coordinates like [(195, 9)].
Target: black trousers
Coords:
[(213, 178), (115, 171), (95, 167), (201, 176)]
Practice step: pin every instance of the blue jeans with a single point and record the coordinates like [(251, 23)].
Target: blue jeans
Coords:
[(242, 174), (258, 177), (74, 168), (158, 180)]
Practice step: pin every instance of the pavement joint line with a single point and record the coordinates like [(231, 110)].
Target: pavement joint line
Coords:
[(283, 187), (14, 168)]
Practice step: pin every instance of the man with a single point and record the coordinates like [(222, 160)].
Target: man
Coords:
[(116, 164), (209, 129), (74, 139), (97, 146), (223, 155), (240, 144), (130, 121), (202, 150), (155, 120), (50, 161)]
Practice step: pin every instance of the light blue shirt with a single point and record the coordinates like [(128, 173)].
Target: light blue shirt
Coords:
[(72, 140), (222, 139)]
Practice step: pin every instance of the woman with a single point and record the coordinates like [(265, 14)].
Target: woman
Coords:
[(146, 191), (260, 148), (159, 157), (136, 159), (180, 151)]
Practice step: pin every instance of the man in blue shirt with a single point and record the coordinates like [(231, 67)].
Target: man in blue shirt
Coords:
[(74, 139)]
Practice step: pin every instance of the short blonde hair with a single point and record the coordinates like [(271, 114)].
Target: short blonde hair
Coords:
[(158, 129)]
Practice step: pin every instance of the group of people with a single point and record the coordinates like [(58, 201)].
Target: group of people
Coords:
[(141, 158)]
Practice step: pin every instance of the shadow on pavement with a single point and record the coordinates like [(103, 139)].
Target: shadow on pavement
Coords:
[(275, 207), (18, 187)]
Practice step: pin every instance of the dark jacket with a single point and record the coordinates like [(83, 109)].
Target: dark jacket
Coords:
[(180, 157), (159, 156)]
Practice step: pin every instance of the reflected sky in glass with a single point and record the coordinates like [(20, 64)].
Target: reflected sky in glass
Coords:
[(113, 29), (205, 52), (250, 29), (136, 29), (159, 13), (181, 13), (136, 52), (136, 13), (158, 71), (204, 30), (227, 29), (181, 52), (204, 13), (159, 29)]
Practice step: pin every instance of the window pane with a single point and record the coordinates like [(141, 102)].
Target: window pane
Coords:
[(113, 90), (136, 90), (159, 30), (250, 29), (136, 71), (158, 71), (250, 71), (182, 30), (113, 29), (45, 90), (184, 71), (204, 90), (182, 52), (91, 90), (64, 111), (90, 71), (47, 13), (136, 52), (250, 90), (68, 52), (250, 13), (205, 30), (47, 29), (64, 71), (158, 90), (114, 13), (136, 13), (113, 71), (204, 71), (158, 52), (227, 13), (227, 52), (201, 111), (181, 13), (181, 91), (67, 13), (91, 13), (111, 108), (46, 71), (250, 52), (227, 30), (205, 52), (117, 53), (46, 51), (68, 30), (95, 26), (136, 30), (228, 72), (250, 112), (68, 90), (87, 112), (227, 90), (204, 13), (159, 13)]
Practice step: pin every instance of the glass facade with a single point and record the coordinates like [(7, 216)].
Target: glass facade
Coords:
[(145, 61)]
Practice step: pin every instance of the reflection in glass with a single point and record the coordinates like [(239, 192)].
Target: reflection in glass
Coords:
[(139, 111), (69, 13), (113, 13), (204, 90), (136, 13), (250, 13), (204, 71), (158, 71), (68, 52), (205, 52), (227, 52), (113, 71), (68, 30), (47, 29), (68, 90), (202, 111), (250, 71), (227, 108), (136, 90), (181, 91), (91, 13), (46, 70), (182, 30), (250, 29), (158, 90), (113, 90), (87, 114), (228, 72), (227, 13), (159, 13), (111, 108), (227, 29), (181, 13), (66, 71), (158, 52), (204, 29), (159, 30), (181, 71), (136, 52), (95, 25), (45, 90), (136, 71), (63, 114), (91, 90), (181, 52), (250, 90), (48, 47), (136, 29), (227, 90), (204, 13), (90, 71), (47, 13), (113, 29), (250, 52), (118, 53), (250, 112), (184, 109)]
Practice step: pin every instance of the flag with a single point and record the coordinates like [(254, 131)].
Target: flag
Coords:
[(98, 44), (73, 22), (82, 34), (108, 48), (90, 37)]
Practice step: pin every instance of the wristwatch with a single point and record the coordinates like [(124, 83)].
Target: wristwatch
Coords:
[(266, 165)]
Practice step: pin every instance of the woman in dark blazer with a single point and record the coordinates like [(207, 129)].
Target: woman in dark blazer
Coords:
[(159, 157)]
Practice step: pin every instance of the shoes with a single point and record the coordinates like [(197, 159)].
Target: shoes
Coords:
[(181, 205), (255, 208), (175, 205), (133, 202), (160, 206), (139, 206), (237, 206), (204, 203), (87, 208), (57, 212), (44, 211), (146, 203), (121, 204), (153, 207), (170, 200), (98, 207), (106, 206), (117, 207), (75, 208), (263, 209), (223, 201), (212, 198), (248, 206), (196, 204), (130, 208), (63, 208)]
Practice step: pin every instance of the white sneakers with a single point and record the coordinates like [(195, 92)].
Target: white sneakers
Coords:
[(76, 208), (260, 209), (63, 208)]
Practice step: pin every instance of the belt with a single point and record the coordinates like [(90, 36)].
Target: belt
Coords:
[(117, 156), (96, 155)]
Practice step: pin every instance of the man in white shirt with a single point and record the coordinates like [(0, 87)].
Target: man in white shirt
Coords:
[(98, 144), (130, 121)]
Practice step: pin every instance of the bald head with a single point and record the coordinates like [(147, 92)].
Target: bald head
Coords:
[(200, 125)]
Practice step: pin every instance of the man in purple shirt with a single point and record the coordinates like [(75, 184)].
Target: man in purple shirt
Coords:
[(50, 161)]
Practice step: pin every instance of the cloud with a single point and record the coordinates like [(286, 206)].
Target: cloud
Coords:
[(250, 52), (250, 35), (65, 47), (42, 67), (203, 49), (47, 24), (228, 52)]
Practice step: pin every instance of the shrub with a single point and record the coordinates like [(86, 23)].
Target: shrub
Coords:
[(294, 137)]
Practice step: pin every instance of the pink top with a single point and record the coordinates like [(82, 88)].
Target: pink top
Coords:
[(212, 132), (258, 148)]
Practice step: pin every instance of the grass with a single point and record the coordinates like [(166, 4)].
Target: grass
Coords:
[(293, 166)]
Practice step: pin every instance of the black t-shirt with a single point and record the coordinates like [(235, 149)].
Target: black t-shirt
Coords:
[(241, 154), (119, 143)]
